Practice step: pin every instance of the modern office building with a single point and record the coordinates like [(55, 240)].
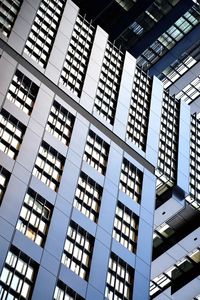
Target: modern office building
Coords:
[(90, 144)]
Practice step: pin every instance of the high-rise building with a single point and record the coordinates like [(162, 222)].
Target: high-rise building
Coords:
[(90, 145)]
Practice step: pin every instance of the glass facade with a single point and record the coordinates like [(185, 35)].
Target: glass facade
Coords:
[(18, 276), (22, 92), (168, 146), (88, 197), (119, 283), (131, 180), (139, 109), (35, 217), (60, 123), (49, 166), (9, 10), (170, 38), (77, 252), (109, 82), (4, 178), (78, 54), (11, 134), (43, 31), (96, 152)]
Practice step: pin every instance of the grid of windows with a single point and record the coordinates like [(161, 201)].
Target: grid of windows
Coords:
[(194, 196), (9, 10), (43, 30), (88, 197), (63, 292), (4, 178), (146, 21), (96, 152), (170, 38), (75, 65), (119, 284), (109, 82), (22, 92), (60, 123), (78, 249), (125, 228), (49, 166), (178, 275), (18, 276), (190, 92), (139, 109), (34, 218), (168, 145), (131, 180), (11, 134), (180, 66)]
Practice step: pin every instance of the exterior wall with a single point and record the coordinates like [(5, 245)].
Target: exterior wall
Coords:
[(49, 257)]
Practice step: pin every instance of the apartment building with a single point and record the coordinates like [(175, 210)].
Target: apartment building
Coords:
[(90, 145)]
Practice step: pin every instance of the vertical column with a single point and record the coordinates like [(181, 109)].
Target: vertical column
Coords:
[(124, 98), (183, 169), (154, 122), (94, 69), (145, 241)]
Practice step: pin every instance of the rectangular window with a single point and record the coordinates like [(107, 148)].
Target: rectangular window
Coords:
[(43, 30), (78, 249), (63, 292), (18, 276), (49, 166), (88, 197), (138, 119), (125, 229), (96, 152), (4, 178), (131, 180), (22, 92), (109, 82), (9, 10), (11, 134), (60, 123), (35, 216), (78, 54), (119, 283), (168, 145)]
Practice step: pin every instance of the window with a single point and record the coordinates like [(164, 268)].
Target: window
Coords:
[(4, 178), (78, 54), (78, 249), (119, 283), (63, 292), (109, 82), (35, 216), (168, 145), (49, 166), (88, 197), (139, 109), (18, 276), (131, 180), (11, 134), (9, 10), (60, 123), (96, 152), (43, 30), (170, 38), (22, 92), (125, 229)]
